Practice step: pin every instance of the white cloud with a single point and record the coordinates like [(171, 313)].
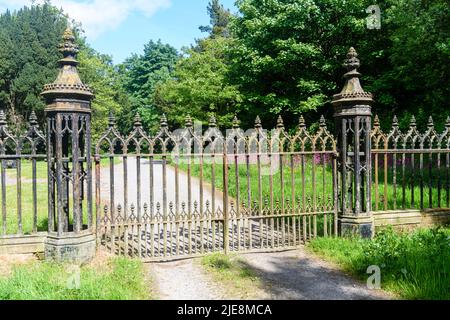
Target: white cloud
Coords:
[(98, 16)]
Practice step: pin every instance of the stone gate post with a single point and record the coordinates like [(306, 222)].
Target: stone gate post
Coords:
[(68, 114), (352, 113)]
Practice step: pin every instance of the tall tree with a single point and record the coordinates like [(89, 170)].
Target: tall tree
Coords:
[(29, 40), (287, 56), (142, 73), (219, 19), (98, 71), (198, 86)]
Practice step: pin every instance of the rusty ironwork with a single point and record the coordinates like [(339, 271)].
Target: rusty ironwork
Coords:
[(353, 116), (19, 148), (411, 169), (68, 116), (187, 192)]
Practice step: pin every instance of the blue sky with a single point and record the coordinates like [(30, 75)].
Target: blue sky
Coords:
[(121, 27)]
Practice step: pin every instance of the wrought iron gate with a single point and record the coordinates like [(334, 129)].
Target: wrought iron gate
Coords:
[(187, 192)]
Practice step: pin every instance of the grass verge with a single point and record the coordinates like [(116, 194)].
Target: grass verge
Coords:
[(114, 279), (238, 279), (413, 265)]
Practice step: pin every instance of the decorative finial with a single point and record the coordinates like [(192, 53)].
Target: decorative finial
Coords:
[(447, 123), (163, 121), (111, 119), (395, 122), (33, 119), (376, 121), (188, 121), (430, 122), (212, 121), (258, 122), (352, 94), (302, 122), (2, 118), (235, 122), (137, 120), (352, 62), (413, 123), (280, 123), (68, 83), (322, 122), (68, 48)]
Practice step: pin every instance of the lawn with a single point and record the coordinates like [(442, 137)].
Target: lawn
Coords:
[(413, 265), (27, 197), (114, 279), (304, 181), (314, 180)]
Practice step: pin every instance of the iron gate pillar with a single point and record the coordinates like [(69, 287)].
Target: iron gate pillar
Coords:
[(68, 114), (353, 117)]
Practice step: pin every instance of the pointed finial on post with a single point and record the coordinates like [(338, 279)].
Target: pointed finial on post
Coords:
[(302, 122), (395, 122), (2, 118), (188, 121), (352, 94), (33, 119), (163, 121), (68, 83), (447, 123), (430, 122), (413, 123), (376, 122), (280, 123), (137, 120), (352, 62), (235, 122), (111, 119), (212, 121), (322, 122), (258, 123), (68, 48)]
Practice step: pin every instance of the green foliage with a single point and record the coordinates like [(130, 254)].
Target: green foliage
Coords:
[(98, 71), (29, 40), (141, 75), (414, 265), (287, 56), (118, 279), (198, 86), (413, 76), (219, 20)]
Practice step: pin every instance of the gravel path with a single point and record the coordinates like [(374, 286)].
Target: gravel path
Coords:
[(298, 275), (157, 182), (285, 275), (184, 280)]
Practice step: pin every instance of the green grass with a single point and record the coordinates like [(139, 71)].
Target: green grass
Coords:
[(413, 265), (321, 185), (238, 279), (119, 279), (27, 197)]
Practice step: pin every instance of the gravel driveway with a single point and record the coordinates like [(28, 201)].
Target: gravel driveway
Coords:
[(285, 275)]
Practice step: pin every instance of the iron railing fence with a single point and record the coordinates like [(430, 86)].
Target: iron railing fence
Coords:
[(23, 187), (410, 169), (190, 191)]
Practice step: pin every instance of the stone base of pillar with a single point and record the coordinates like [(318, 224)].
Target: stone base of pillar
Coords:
[(70, 247), (362, 226)]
